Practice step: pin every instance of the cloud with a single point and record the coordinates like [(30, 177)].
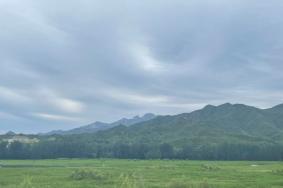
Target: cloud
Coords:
[(4, 115), (135, 98), (144, 60), (55, 117), (53, 99), (102, 60), (68, 105), (12, 96)]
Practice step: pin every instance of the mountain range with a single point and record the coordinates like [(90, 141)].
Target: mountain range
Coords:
[(224, 132), (100, 126), (211, 124)]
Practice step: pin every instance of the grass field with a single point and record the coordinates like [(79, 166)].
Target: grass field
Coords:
[(137, 173)]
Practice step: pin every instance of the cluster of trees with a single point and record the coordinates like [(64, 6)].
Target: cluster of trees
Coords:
[(69, 149)]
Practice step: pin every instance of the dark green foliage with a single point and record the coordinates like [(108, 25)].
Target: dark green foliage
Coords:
[(225, 132), (166, 151)]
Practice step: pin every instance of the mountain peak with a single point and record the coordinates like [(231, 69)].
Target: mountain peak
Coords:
[(209, 106), (276, 109), (99, 126), (10, 133), (149, 115), (225, 105), (212, 107), (134, 120), (278, 106), (137, 117)]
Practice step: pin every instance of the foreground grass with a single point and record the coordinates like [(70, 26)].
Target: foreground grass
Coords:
[(139, 174)]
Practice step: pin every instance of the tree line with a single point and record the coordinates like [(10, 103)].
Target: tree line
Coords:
[(74, 149)]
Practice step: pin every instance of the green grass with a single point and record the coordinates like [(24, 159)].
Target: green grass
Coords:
[(139, 174)]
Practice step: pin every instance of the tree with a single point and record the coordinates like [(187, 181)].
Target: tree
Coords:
[(166, 151), (3, 150)]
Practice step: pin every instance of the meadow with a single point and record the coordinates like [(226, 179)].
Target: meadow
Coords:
[(108, 173)]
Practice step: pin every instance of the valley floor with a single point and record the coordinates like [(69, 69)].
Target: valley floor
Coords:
[(76, 173)]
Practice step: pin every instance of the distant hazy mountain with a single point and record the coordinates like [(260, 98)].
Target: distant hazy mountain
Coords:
[(99, 126), (10, 133)]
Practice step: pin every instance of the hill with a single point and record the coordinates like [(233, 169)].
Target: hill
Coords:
[(212, 124), (228, 131), (99, 126), (224, 132)]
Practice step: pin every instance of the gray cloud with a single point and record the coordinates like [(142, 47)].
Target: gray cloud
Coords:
[(67, 63)]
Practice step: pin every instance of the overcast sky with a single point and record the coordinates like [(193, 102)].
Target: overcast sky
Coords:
[(66, 63)]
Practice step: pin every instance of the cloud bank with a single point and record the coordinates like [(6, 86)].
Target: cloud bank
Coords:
[(67, 63)]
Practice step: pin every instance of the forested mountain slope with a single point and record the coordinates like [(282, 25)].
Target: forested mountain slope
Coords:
[(225, 132)]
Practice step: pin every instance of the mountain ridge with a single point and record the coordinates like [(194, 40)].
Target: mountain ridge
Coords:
[(223, 132), (100, 126), (215, 122)]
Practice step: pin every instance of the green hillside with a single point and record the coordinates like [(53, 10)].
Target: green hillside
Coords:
[(212, 124), (225, 132)]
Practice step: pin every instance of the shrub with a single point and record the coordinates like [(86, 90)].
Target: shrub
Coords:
[(83, 174), (209, 168)]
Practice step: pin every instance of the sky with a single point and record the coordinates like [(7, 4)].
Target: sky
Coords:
[(68, 63)]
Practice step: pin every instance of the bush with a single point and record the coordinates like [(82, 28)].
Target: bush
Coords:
[(209, 168), (83, 174)]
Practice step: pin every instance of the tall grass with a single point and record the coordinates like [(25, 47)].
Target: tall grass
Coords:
[(26, 183), (130, 181), (203, 184)]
